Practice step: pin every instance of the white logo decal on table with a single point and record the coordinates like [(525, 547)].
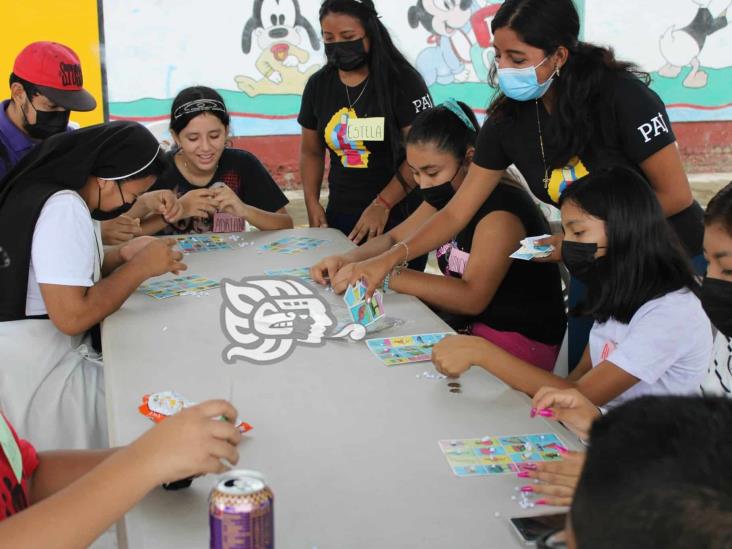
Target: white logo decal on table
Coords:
[(264, 319)]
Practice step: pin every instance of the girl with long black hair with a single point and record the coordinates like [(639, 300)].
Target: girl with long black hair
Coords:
[(516, 304), (566, 108), (650, 334), (359, 106)]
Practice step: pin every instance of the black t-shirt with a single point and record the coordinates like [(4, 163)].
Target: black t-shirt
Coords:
[(529, 300), (241, 171), (632, 125), (359, 170)]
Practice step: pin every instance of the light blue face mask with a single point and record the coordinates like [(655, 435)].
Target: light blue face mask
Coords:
[(523, 84)]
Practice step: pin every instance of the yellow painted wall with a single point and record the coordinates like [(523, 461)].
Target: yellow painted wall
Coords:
[(70, 22)]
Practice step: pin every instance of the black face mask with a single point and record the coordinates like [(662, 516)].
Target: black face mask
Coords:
[(439, 195), (101, 215), (346, 56), (48, 123), (579, 258), (716, 298)]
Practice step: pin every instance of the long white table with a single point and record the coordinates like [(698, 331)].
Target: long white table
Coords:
[(348, 445)]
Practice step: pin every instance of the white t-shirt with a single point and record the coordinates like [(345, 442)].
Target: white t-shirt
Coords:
[(667, 346), (64, 250), (718, 381)]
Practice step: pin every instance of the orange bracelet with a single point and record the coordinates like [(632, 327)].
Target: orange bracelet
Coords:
[(380, 200)]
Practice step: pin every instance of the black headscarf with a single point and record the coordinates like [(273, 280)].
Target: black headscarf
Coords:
[(116, 150)]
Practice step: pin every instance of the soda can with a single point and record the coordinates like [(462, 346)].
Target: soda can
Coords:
[(241, 512)]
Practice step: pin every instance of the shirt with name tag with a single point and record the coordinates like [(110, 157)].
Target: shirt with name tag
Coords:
[(356, 133)]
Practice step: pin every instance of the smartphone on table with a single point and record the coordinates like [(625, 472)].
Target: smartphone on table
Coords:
[(532, 529)]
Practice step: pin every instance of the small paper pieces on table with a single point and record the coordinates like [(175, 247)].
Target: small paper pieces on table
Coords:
[(174, 287), (292, 245), (363, 312), (491, 455), (158, 406), (405, 349), (202, 243), (228, 223), (529, 250)]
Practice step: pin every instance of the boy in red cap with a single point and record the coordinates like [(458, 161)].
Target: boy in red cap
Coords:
[(45, 85)]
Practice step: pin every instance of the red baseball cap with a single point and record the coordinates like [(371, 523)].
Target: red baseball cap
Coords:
[(56, 71)]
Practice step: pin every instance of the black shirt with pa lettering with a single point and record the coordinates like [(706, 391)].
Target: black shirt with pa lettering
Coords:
[(631, 125), (359, 168)]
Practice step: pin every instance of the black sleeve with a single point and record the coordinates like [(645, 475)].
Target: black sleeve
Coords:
[(308, 118), (489, 153), (412, 99), (642, 121), (258, 189)]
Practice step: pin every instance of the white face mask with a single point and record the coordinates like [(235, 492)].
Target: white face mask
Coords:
[(523, 84)]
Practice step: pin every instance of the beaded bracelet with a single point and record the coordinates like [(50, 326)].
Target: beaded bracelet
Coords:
[(387, 279)]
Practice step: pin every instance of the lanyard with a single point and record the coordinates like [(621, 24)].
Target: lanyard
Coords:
[(11, 449)]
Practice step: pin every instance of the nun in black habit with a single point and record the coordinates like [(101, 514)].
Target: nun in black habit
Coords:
[(61, 282)]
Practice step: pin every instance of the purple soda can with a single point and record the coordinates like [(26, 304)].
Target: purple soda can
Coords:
[(241, 512)]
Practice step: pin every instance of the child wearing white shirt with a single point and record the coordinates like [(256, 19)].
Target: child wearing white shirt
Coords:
[(650, 336)]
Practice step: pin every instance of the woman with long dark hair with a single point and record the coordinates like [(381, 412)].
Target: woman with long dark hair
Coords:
[(650, 334), (566, 108), (359, 106)]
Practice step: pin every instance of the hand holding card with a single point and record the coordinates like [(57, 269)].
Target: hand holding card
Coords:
[(530, 250), (362, 311)]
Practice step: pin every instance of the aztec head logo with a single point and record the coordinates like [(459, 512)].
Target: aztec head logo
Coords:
[(264, 319)]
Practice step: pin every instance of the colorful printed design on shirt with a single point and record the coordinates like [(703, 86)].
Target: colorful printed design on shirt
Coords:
[(14, 494), (232, 180), (607, 350), (561, 179), (353, 154), (457, 259), (14, 499)]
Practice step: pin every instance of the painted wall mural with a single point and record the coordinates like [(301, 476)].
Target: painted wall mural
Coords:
[(260, 53), (686, 45)]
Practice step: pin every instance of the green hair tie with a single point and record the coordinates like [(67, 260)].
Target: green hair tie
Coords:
[(454, 107)]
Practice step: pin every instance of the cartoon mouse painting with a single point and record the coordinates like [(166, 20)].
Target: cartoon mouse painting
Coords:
[(682, 47), (278, 28), (448, 22)]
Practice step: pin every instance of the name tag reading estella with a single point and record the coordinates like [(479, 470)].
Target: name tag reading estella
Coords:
[(366, 129)]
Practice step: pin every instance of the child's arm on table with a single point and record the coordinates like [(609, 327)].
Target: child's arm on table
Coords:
[(456, 354), (189, 443)]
